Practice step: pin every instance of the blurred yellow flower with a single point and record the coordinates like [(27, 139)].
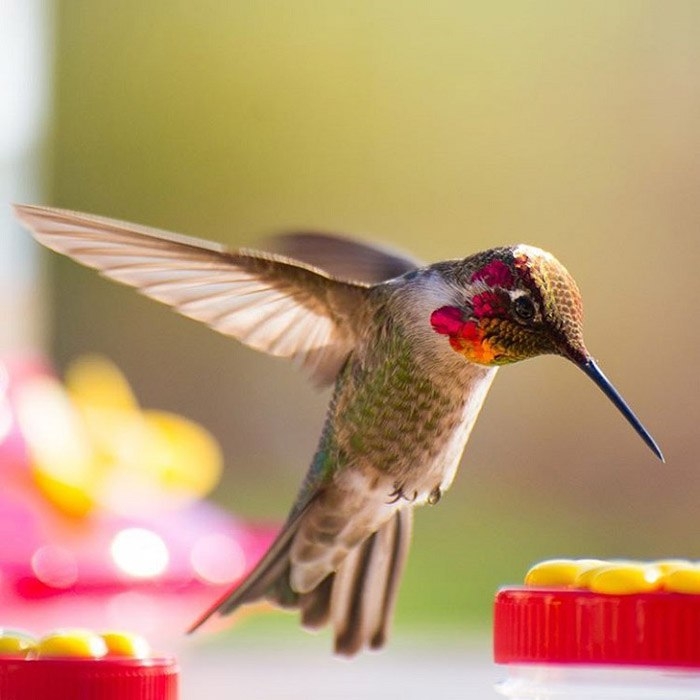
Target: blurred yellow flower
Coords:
[(91, 445)]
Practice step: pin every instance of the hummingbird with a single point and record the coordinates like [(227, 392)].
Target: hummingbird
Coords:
[(411, 351)]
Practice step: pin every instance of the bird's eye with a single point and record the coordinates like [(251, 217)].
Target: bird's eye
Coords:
[(524, 308)]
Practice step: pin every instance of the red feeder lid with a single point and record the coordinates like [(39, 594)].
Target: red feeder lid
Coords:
[(569, 626), (88, 679)]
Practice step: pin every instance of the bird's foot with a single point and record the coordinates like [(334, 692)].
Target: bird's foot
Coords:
[(398, 494), (434, 496)]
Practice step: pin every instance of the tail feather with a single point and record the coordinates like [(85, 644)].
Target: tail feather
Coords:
[(399, 553), (348, 602), (270, 571), (315, 606), (358, 599), (364, 609)]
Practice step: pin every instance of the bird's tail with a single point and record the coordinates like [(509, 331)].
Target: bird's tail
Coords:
[(357, 599)]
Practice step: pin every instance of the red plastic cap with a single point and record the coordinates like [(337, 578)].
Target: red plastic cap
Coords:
[(566, 626), (88, 679)]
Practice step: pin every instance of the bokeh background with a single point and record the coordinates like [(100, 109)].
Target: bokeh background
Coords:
[(444, 128)]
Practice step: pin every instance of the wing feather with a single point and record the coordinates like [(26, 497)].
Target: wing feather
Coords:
[(344, 257), (270, 302)]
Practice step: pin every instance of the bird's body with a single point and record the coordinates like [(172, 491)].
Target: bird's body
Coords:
[(401, 413), (403, 405), (412, 351)]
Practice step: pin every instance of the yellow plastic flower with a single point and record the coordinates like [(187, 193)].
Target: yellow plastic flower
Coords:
[(92, 445)]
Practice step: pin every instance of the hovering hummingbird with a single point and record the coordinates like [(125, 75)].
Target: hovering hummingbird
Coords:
[(411, 349)]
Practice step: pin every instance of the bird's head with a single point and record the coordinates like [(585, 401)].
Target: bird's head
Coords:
[(516, 303)]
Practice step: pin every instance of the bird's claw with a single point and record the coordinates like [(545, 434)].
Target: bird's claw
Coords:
[(398, 494)]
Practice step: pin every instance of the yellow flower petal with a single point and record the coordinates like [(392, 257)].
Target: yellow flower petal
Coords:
[(72, 642), (16, 643), (626, 578), (552, 572), (60, 449), (96, 382), (187, 458), (683, 580), (126, 644)]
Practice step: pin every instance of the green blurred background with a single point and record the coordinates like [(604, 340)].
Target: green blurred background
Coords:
[(443, 128)]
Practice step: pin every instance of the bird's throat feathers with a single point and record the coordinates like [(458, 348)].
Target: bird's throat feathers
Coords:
[(467, 337), (472, 336)]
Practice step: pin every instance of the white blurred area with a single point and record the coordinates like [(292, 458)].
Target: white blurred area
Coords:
[(410, 672), (25, 59)]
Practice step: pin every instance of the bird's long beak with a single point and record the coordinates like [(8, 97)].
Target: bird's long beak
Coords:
[(594, 372)]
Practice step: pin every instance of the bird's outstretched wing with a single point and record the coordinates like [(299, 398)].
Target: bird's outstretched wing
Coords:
[(343, 257), (269, 302)]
